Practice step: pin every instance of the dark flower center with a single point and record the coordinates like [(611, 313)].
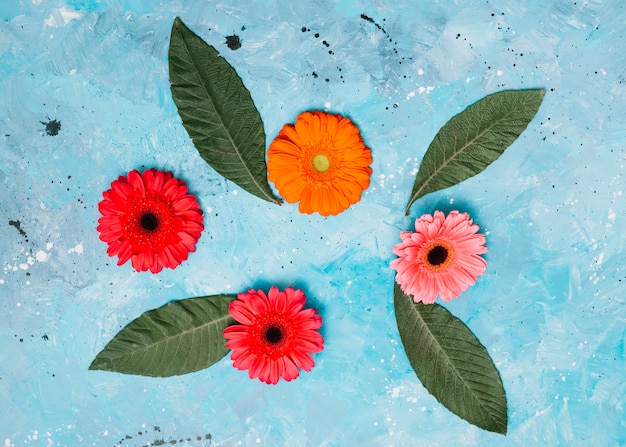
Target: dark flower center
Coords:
[(149, 222), (437, 255), (273, 335)]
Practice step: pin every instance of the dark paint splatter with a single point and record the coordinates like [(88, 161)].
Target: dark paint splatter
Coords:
[(52, 127), (233, 42), (369, 19), (162, 441), (18, 226)]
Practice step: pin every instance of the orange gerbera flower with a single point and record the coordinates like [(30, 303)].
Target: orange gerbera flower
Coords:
[(320, 161)]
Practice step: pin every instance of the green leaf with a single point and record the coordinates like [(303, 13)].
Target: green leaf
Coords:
[(218, 112), (451, 363), (178, 338), (474, 139)]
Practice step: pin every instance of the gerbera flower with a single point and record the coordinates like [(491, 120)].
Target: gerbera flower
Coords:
[(276, 336), (150, 219), (321, 161), (440, 258)]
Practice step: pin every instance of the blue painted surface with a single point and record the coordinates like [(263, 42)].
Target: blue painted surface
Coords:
[(550, 308)]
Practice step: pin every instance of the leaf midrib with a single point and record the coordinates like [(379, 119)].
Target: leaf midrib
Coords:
[(441, 352), (147, 347), (232, 143), (451, 159)]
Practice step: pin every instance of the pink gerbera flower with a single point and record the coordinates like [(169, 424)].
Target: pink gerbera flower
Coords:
[(276, 336), (150, 219), (440, 258)]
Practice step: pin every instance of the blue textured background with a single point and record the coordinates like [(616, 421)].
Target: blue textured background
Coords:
[(550, 308)]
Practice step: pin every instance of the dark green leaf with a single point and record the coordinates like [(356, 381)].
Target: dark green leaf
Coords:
[(218, 112), (474, 139), (451, 363), (177, 338)]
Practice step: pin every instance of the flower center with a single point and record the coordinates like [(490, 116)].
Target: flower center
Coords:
[(437, 255), (321, 163), (273, 335), (149, 221)]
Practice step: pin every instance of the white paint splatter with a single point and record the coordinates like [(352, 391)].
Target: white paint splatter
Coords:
[(600, 259), (62, 17), (421, 90), (42, 256), (78, 249)]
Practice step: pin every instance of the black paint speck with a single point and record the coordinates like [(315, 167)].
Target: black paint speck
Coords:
[(233, 42), (52, 127), (369, 19), (18, 226)]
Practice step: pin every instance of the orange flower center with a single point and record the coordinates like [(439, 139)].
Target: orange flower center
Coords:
[(437, 255), (321, 163)]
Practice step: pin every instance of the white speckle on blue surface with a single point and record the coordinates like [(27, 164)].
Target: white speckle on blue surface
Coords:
[(78, 249), (550, 308)]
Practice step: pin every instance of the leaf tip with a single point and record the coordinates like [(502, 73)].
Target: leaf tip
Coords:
[(500, 429), (94, 365)]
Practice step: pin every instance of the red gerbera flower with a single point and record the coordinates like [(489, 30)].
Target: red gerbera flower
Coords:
[(150, 219), (440, 258), (276, 336)]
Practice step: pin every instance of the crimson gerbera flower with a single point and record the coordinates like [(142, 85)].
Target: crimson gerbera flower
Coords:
[(150, 219), (276, 336), (440, 258)]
